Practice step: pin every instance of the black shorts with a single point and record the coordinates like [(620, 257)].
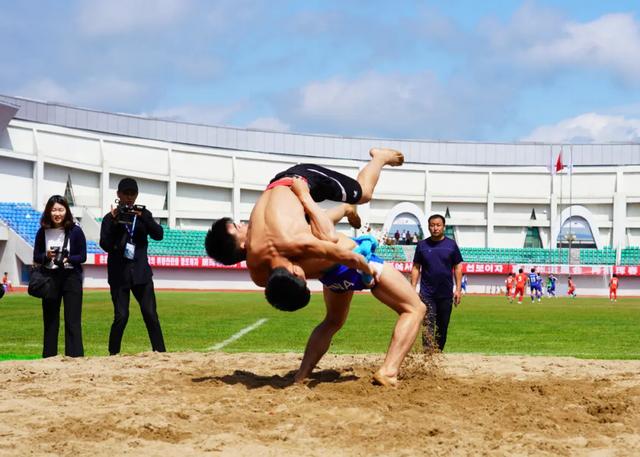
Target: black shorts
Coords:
[(325, 184)]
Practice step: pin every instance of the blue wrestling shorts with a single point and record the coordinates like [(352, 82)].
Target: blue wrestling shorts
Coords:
[(344, 279)]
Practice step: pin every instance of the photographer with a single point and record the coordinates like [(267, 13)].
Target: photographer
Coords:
[(123, 235), (60, 247)]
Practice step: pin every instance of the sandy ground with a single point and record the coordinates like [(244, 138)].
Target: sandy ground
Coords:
[(187, 404)]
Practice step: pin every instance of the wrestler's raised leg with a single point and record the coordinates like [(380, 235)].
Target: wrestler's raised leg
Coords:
[(350, 211), (396, 292), (369, 175), (320, 339)]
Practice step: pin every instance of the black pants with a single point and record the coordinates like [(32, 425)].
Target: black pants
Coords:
[(436, 322), (68, 285), (325, 184), (146, 297)]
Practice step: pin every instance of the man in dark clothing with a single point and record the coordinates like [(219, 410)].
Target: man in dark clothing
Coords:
[(436, 258), (123, 236)]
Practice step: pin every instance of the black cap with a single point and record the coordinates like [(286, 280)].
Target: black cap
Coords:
[(128, 184)]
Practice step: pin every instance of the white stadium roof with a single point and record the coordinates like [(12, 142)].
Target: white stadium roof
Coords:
[(326, 146)]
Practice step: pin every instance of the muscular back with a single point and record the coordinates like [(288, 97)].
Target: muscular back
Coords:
[(276, 221)]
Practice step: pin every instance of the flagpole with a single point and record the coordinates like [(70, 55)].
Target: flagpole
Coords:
[(551, 169), (561, 203), (570, 198)]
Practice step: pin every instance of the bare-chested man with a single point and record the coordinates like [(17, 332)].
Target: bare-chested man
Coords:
[(278, 235), (390, 287)]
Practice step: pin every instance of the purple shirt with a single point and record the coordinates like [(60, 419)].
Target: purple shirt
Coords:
[(436, 260)]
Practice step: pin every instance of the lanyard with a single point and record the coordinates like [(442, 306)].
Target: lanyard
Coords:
[(133, 227)]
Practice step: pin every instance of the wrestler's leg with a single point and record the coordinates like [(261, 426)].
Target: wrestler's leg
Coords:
[(396, 292), (338, 212), (369, 175), (337, 305)]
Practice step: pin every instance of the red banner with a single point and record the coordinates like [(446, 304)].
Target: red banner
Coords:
[(159, 261), (163, 261)]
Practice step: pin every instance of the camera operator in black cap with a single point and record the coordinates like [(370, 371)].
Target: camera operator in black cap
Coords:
[(123, 236)]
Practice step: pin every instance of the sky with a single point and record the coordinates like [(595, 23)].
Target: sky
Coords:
[(491, 70)]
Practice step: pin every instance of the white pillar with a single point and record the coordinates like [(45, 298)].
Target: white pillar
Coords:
[(619, 212), (38, 175), (106, 199), (427, 197), (171, 193), (489, 238), (235, 192)]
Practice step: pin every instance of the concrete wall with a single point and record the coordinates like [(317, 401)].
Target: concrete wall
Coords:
[(189, 186)]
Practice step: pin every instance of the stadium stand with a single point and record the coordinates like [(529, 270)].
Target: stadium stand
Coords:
[(516, 255), (392, 253), (25, 221), (606, 256), (630, 256), (179, 242)]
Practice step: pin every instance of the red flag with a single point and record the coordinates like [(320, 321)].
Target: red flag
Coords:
[(559, 164)]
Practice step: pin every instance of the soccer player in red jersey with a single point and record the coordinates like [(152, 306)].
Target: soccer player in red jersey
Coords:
[(572, 287), (521, 282), (613, 288), (509, 283)]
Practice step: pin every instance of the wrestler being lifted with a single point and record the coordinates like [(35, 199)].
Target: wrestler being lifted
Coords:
[(279, 234), (340, 281)]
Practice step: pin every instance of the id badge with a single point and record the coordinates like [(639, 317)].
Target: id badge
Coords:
[(129, 251)]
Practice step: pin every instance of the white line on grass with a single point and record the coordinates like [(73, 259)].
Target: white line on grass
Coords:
[(238, 335)]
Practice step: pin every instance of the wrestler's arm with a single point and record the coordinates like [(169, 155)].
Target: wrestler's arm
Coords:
[(309, 246), (322, 226)]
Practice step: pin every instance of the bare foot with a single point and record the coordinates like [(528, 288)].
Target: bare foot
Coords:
[(390, 156), (384, 380), (353, 217)]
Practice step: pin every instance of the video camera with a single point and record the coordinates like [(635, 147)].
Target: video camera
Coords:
[(126, 213)]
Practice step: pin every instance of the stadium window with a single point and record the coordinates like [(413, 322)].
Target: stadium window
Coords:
[(576, 232), (533, 240), (68, 192), (449, 230)]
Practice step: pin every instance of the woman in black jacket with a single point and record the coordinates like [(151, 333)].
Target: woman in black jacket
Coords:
[(61, 248)]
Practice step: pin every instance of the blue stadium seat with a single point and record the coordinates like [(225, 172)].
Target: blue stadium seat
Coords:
[(25, 221)]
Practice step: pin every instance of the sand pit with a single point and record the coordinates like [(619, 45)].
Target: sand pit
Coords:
[(188, 404)]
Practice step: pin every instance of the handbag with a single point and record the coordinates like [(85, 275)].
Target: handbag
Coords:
[(40, 284)]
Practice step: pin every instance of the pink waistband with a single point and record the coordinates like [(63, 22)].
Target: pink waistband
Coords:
[(287, 181)]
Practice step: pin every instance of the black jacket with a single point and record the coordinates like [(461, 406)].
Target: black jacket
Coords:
[(77, 248), (114, 237)]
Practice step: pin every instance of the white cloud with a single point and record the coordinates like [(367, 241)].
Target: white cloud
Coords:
[(392, 105), (373, 102), (610, 42), (91, 93), (539, 40), (98, 17), (589, 128), (269, 123)]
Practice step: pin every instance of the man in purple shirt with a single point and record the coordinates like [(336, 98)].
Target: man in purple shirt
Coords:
[(436, 260)]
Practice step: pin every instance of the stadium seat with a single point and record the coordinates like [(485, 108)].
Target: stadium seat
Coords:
[(25, 221)]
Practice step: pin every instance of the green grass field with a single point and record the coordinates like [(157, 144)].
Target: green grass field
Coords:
[(195, 321)]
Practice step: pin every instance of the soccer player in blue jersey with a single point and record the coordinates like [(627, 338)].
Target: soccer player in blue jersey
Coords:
[(535, 285), (551, 286)]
